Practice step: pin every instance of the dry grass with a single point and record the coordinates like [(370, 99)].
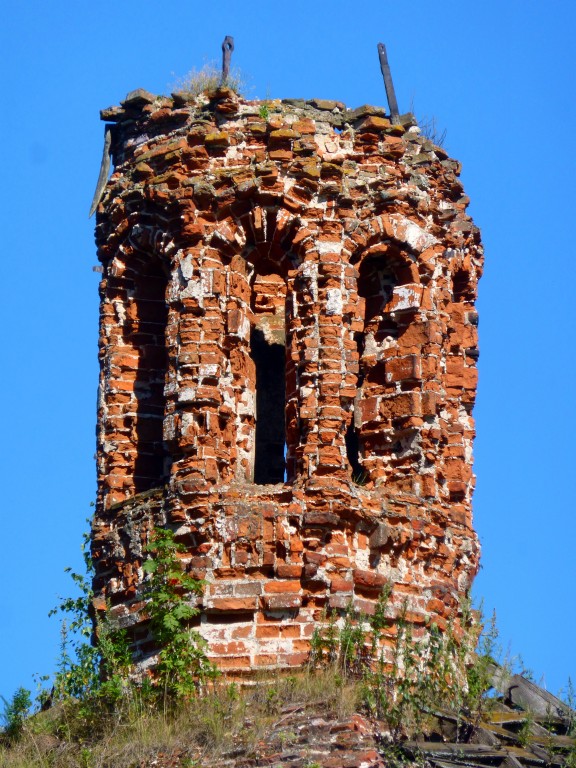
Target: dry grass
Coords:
[(228, 717), (205, 80)]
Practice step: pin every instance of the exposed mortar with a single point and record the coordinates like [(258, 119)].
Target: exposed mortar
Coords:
[(317, 263)]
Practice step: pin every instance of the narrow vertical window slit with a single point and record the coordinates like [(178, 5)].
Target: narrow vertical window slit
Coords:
[(270, 361)]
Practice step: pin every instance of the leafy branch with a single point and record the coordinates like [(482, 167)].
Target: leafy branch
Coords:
[(183, 665)]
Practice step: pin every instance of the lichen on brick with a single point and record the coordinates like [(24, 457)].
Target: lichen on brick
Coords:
[(288, 348)]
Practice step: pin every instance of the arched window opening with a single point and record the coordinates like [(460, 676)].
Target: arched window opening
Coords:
[(461, 286), (376, 285), (145, 333), (351, 438), (269, 420), (268, 353), (269, 358), (353, 451)]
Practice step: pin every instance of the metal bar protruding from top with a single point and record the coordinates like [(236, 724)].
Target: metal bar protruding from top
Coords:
[(387, 75), (227, 48), (104, 169)]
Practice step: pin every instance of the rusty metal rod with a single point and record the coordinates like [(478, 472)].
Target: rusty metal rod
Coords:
[(227, 48), (389, 85)]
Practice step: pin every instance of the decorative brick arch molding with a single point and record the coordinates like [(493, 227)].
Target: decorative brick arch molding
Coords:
[(288, 367)]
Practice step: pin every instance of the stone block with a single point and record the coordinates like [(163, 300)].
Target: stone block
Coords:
[(379, 536)]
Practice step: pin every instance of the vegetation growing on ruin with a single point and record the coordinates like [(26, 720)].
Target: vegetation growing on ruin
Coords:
[(206, 79), (183, 666), (97, 715)]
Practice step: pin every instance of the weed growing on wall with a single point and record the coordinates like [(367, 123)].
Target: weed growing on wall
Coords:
[(94, 657), (414, 676), (205, 80), (183, 665), (431, 131), (93, 689), (93, 669)]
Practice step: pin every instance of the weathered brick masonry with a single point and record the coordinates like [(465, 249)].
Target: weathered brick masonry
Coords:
[(288, 347)]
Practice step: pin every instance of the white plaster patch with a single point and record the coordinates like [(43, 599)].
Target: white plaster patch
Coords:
[(464, 418), (334, 303), (228, 398), (309, 272), (406, 297), (244, 328), (168, 428), (187, 267), (309, 269), (370, 346), (410, 232), (194, 290), (233, 153), (246, 404), (329, 247), (198, 288), (120, 311), (187, 395), (437, 271), (210, 369), (186, 423)]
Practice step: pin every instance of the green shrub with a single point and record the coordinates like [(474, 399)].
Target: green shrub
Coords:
[(15, 713), (183, 665), (94, 655)]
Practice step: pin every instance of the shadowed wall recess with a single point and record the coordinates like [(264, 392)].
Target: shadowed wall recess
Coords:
[(288, 346)]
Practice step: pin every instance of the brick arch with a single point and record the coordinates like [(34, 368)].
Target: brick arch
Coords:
[(317, 444), (384, 331), (237, 245), (412, 239), (141, 311), (225, 276), (261, 241), (133, 365), (196, 268), (315, 201)]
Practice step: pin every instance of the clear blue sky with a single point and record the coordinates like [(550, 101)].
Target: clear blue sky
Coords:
[(497, 75)]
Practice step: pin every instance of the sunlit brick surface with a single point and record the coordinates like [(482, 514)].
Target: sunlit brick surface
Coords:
[(288, 347)]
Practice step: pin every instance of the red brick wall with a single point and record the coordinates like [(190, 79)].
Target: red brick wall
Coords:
[(344, 240)]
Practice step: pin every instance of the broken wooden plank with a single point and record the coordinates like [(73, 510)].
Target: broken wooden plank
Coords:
[(526, 694), (482, 735), (511, 762), (440, 748), (458, 764)]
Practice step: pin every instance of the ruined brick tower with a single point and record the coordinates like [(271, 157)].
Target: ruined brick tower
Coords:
[(288, 351)]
